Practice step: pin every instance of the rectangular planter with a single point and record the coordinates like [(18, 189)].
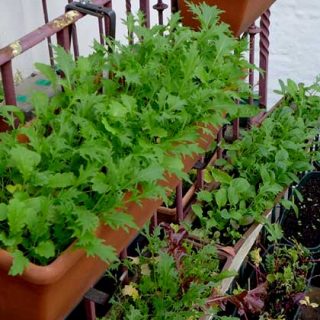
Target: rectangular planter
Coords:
[(239, 14), (51, 292)]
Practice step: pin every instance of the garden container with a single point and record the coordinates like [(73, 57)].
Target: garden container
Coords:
[(51, 292), (311, 312), (305, 226), (247, 279), (192, 241), (239, 14)]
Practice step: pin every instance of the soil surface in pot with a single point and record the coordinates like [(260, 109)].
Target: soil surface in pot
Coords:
[(305, 228), (311, 312)]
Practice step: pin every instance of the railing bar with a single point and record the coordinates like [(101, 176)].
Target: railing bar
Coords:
[(101, 33), (63, 38), (160, 7), (107, 30), (252, 36), (8, 83), (31, 39), (46, 20), (174, 6), (145, 8), (128, 11), (264, 56)]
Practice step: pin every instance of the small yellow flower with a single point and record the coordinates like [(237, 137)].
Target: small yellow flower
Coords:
[(174, 227), (255, 257), (145, 270), (131, 291), (13, 188), (306, 302)]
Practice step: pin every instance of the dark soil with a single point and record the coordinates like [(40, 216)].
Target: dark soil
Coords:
[(306, 228)]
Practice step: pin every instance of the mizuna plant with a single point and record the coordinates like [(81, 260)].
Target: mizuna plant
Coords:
[(121, 120), (259, 166), (174, 279)]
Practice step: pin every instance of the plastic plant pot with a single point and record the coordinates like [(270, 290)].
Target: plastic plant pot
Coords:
[(51, 292), (290, 219), (239, 14)]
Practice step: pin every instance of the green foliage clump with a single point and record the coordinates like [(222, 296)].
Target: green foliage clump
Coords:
[(265, 161), (174, 280), (121, 120)]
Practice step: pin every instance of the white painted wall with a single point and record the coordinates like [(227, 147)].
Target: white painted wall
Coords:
[(294, 49), (295, 42)]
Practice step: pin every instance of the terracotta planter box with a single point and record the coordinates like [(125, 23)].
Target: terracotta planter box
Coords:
[(51, 292), (239, 14)]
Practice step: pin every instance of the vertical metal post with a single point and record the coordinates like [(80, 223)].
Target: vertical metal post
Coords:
[(128, 6), (124, 270), (154, 221), (90, 308), (63, 38), (179, 206), (145, 8), (101, 33), (75, 42), (236, 129), (264, 56), (199, 182), (252, 34), (106, 21), (174, 6), (46, 20), (160, 7), (8, 83), (128, 11)]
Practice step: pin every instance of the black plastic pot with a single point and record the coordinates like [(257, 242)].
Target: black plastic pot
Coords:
[(290, 219), (313, 293), (247, 278)]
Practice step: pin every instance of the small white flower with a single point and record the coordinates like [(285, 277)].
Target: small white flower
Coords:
[(135, 260), (145, 270)]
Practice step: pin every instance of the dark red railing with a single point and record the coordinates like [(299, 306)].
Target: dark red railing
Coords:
[(62, 27)]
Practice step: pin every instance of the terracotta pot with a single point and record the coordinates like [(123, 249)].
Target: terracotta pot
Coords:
[(239, 14), (51, 292)]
